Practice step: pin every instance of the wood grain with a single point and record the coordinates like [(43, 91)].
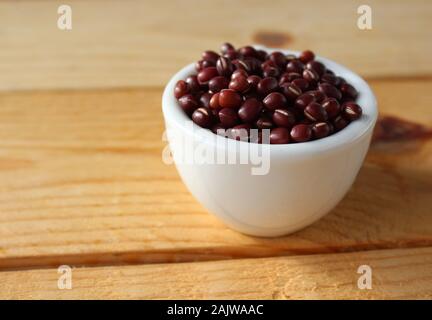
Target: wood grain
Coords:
[(396, 274), (82, 182), (136, 43)]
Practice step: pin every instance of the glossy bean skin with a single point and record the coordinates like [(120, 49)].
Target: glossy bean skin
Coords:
[(264, 123), (301, 133), (320, 130), (217, 84), (279, 136), (181, 89), (250, 110), (205, 98), (332, 107), (267, 85), (283, 118), (352, 111), (275, 100), (205, 75), (202, 117), (291, 91), (295, 66), (240, 84), (348, 90), (330, 90), (193, 84), (304, 100), (340, 123), (306, 56), (315, 112), (224, 67), (229, 98), (295, 97), (316, 66), (228, 117), (188, 103)]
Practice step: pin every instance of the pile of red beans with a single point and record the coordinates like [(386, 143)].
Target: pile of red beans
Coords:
[(296, 97)]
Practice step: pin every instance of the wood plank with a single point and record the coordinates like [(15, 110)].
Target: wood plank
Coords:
[(82, 182), (135, 43), (396, 274)]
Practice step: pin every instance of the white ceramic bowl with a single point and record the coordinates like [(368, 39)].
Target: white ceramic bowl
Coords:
[(304, 182)]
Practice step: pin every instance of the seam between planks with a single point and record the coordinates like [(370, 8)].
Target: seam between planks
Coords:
[(169, 256)]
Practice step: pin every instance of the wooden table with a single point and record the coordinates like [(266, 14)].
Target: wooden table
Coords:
[(82, 182)]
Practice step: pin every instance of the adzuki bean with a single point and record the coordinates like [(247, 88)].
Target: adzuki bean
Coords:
[(214, 101), (351, 111), (315, 112), (250, 110), (339, 123), (295, 66), (267, 85), (193, 84), (302, 84), (304, 100), (205, 75), (332, 107), (228, 117), (188, 103), (181, 89), (291, 91), (264, 123), (284, 118), (205, 99), (316, 66), (330, 90), (202, 117), (210, 56), (306, 56), (229, 98), (320, 130), (279, 136), (224, 66), (301, 133), (253, 81), (240, 84), (348, 91), (274, 100), (217, 84), (296, 97), (225, 47)]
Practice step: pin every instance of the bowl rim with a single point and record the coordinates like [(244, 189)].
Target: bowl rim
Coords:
[(356, 130)]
